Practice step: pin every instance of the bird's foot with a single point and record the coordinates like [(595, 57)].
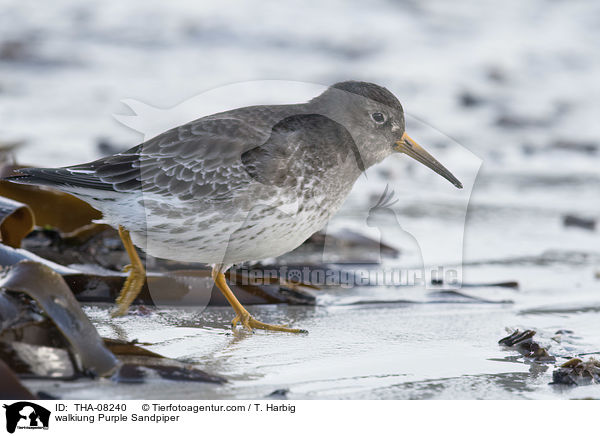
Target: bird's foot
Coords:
[(131, 289), (251, 323)]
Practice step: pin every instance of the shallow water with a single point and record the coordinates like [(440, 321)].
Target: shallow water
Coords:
[(420, 350), (532, 69)]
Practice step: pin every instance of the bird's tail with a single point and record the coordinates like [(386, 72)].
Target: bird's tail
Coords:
[(67, 179)]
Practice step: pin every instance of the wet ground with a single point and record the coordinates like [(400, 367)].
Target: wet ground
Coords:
[(425, 350), (480, 85)]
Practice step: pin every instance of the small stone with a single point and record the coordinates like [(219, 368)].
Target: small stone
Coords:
[(468, 99), (580, 222)]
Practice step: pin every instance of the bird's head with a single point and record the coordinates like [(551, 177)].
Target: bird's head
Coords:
[(375, 119)]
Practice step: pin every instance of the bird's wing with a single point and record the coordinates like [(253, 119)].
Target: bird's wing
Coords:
[(200, 158), (300, 143)]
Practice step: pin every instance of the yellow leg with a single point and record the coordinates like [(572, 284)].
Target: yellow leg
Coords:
[(242, 315), (135, 280)]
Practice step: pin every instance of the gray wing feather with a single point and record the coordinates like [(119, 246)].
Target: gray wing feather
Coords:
[(300, 143), (201, 158)]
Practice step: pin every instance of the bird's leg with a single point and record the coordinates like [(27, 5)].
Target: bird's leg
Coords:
[(135, 279), (242, 315)]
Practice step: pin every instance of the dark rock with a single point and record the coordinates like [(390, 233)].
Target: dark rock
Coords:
[(461, 297), (495, 74), (580, 222), (529, 149), (42, 395), (468, 99), (577, 372), (563, 332), (130, 374), (15, 50), (584, 147), (509, 284), (512, 121), (279, 394)]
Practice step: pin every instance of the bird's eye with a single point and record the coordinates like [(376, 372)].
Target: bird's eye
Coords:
[(378, 117)]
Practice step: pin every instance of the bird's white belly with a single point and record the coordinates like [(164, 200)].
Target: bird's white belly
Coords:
[(225, 239)]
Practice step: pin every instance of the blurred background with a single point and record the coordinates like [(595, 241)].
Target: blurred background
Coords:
[(514, 83)]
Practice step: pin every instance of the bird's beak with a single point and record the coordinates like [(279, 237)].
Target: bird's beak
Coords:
[(408, 146)]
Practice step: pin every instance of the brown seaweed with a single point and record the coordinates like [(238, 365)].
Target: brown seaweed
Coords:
[(577, 372), (138, 364), (50, 207), (181, 287), (11, 387), (523, 342), (16, 221), (44, 334), (55, 298)]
